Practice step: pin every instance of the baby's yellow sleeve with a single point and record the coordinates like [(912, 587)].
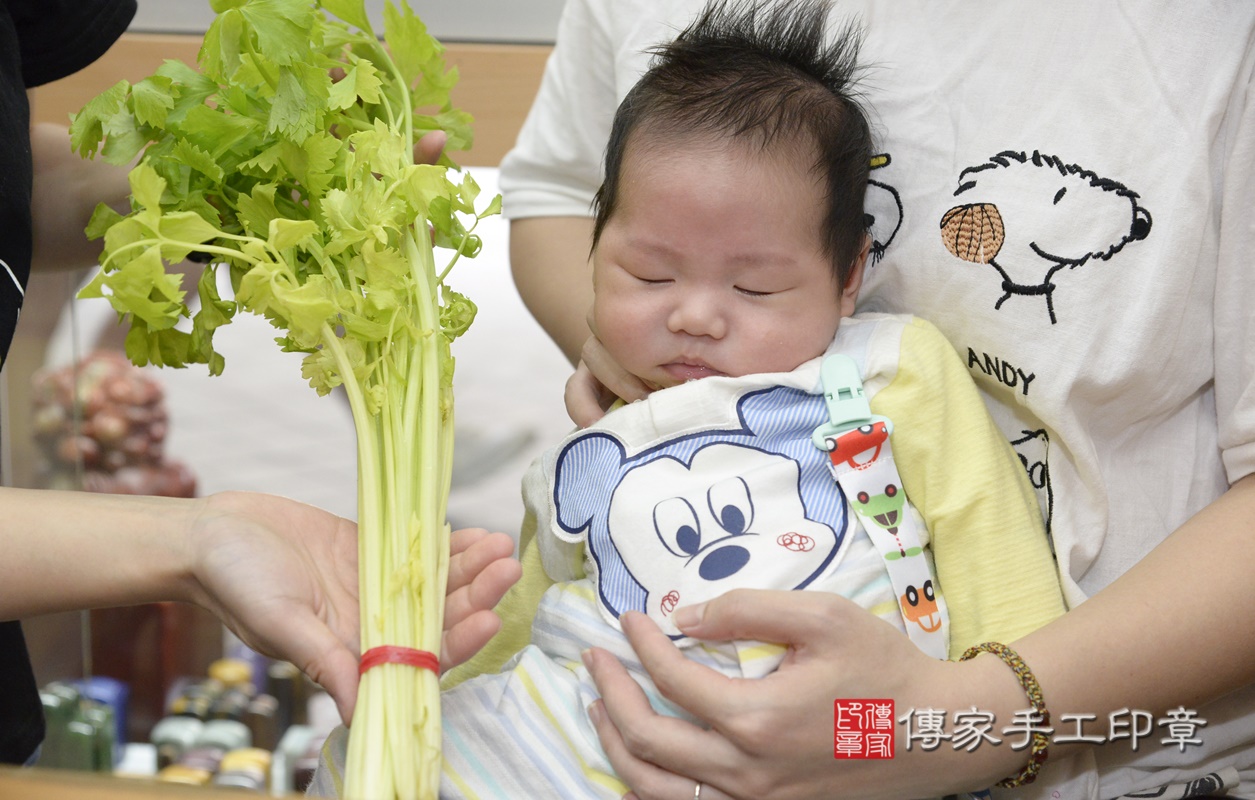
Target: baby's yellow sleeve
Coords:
[(993, 560)]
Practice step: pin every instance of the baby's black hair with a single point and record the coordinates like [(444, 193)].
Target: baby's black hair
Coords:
[(768, 72)]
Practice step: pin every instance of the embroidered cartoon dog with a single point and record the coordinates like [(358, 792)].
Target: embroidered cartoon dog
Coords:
[(704, 512), (1033, 449), (1030, 216), (882, 210)]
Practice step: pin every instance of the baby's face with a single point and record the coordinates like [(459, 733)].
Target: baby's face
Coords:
[(712, 264)]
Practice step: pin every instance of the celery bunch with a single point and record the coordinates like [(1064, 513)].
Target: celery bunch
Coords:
[(287, 160)]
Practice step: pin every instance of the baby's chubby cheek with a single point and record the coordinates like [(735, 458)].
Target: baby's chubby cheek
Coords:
[(624, 335)]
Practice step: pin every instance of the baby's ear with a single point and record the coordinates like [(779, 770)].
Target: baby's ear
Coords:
[(585, 476), (854, 280)]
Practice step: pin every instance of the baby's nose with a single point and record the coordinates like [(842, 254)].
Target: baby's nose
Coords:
[(699, 314)]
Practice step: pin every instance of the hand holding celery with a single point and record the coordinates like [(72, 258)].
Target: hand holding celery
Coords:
[(305, 191)]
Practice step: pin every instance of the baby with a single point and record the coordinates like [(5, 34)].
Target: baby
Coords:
[(728, 251)]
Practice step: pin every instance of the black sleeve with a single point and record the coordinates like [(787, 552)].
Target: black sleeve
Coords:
[(59, 37), (54, 38), (40, 41), (21, 710)]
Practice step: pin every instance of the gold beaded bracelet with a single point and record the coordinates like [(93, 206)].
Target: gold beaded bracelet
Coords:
[(1037, 753)]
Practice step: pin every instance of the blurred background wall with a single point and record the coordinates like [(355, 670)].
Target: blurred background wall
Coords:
[(520, 21)]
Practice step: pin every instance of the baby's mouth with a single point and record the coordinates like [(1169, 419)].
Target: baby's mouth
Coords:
[(689, 370)]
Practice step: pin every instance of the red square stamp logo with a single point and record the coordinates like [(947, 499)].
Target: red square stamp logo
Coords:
[(862, 729)]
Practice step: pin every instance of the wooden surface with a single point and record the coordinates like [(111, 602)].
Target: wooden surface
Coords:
[(39, 784), (497, 83)]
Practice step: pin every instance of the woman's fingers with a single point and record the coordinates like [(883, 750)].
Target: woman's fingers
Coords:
[(610, 373), (481, 570), (586, 399), (597, 382), (460, 642), (700, 690), (797, 619), (428, 149), (471, 550), (770, 737), (803, 623), (648, 782), (482, 594), (645, 746), (769, 734)]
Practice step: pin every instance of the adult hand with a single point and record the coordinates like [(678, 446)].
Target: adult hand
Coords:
[(283, 576), (773, 738), (481, 569), (597, 382)]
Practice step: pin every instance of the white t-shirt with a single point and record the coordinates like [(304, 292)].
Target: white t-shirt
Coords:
[(1068, 193)]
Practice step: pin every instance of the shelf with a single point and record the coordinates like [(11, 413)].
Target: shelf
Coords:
[(58, 785)]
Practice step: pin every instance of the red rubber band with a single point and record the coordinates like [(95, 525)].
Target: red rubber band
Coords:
[(390, 654)]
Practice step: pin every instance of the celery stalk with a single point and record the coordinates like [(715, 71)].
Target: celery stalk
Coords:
[(303, 189)]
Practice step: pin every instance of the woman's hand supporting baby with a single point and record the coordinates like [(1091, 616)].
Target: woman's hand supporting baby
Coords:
[(773, 737)]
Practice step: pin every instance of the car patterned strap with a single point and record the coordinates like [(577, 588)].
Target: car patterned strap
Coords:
[(861, 460)]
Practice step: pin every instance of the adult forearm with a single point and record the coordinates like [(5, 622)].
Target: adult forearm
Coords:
[(1172, 631), (66, 191), (71, 550), (549, 259)]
